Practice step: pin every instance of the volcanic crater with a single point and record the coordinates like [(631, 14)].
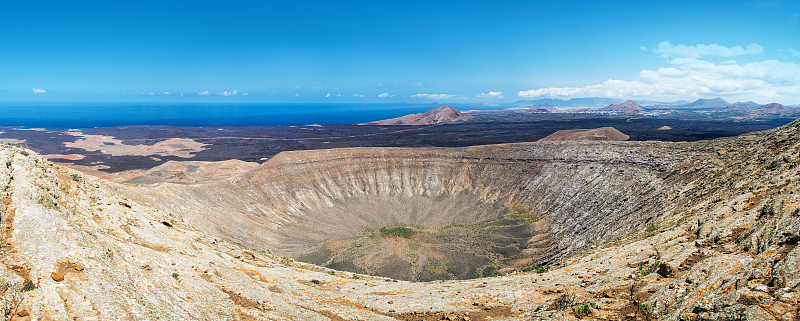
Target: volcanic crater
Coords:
[(640, 230), (432, 213)]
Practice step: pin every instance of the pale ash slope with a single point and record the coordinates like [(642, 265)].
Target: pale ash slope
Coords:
[(731, 243), (602, 133)]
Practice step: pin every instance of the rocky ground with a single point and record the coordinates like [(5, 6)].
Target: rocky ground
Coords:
[(714, 238)]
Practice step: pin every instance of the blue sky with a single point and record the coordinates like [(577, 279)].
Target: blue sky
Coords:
[(399, 51)]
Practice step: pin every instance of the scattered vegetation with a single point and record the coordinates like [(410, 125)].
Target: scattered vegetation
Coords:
[(516, 215), (537, 268), (76, 177), (286, 261), (397, 231), (582, 310), (767, 210), (332, 272), (176, 276), (28, 285), (637, 305), (773, 164), (645, 270), (563, 302), (438, 268), (355, 276), (10, 297), (652, 227)]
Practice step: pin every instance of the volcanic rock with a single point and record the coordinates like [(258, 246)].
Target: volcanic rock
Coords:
[(666, 270), (58, 277)]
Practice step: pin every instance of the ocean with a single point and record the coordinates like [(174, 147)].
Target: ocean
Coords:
[(95, 114)]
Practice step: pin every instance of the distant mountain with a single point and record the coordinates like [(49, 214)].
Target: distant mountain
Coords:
[(628, 107), (441, 115), (773, 108), (574, 102), (602, 133), (538, 110), (543, 108), (707, 103), (746, 104)]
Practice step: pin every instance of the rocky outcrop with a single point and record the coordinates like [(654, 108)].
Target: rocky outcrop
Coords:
[(441, 115)]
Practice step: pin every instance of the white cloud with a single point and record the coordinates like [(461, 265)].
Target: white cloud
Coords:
[(667, 50), (166, 93), (245, 94), (358, 95), (491, 94), (643, 48), (385, 95), (229, 93), (204, 93), (436, 96), (794, 52), (38, 91), (296, 95), (692, 77), (327, 95)]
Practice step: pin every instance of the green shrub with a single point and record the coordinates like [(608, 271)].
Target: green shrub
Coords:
[(652, 227), (76, 177), (28, 285), (537, 268), (582, 310), (397, 231), (645, 270)]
